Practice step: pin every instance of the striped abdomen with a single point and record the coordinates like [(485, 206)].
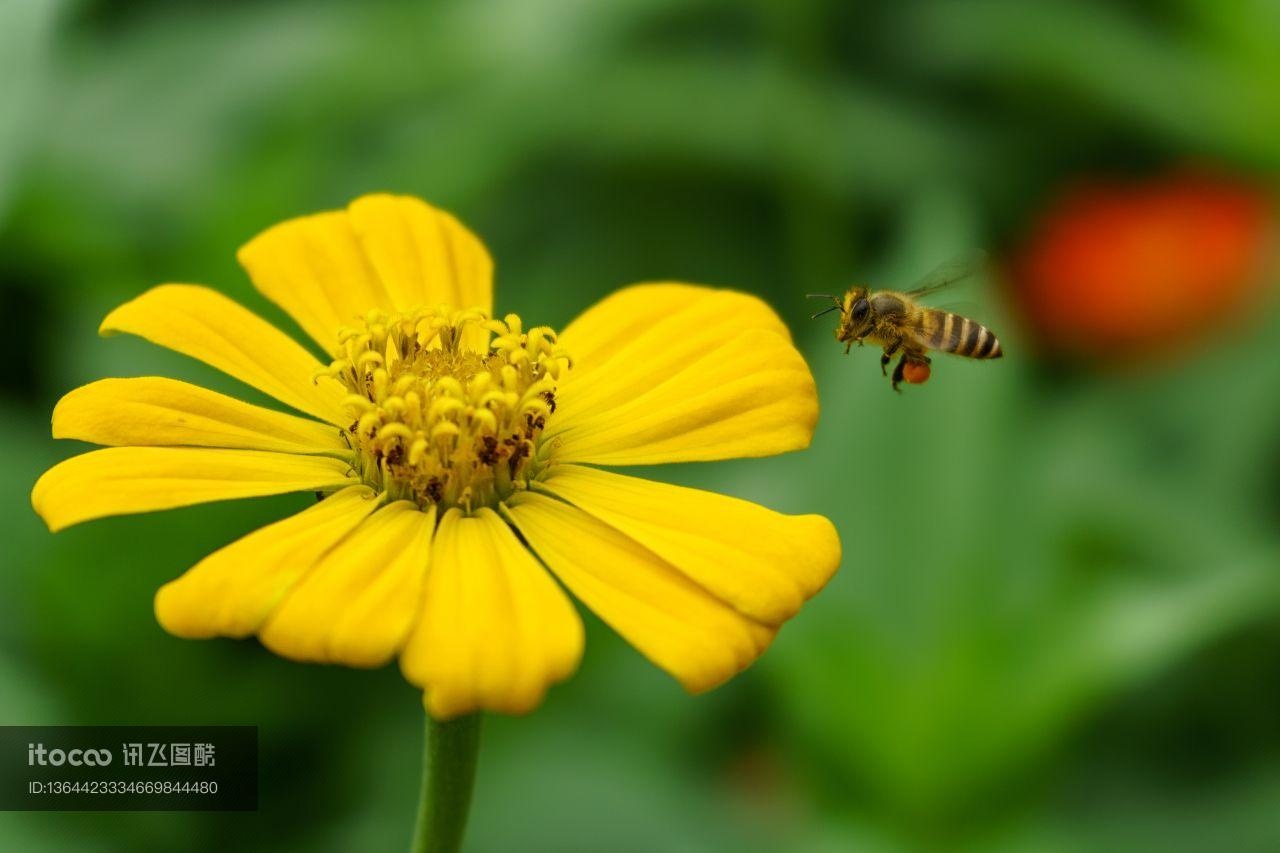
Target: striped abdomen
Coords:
[(942, 330)]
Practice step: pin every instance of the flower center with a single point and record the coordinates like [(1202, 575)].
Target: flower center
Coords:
[(447, 406)]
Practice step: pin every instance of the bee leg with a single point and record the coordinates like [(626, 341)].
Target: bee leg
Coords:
[(889, 350), (898, 371)]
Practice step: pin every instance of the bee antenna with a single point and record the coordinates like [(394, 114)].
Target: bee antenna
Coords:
[(836, 299)]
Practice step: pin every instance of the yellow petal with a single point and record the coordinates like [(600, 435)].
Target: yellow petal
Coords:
[(315, 269), (495, 630), (206, 325), (764, 563), (423, 255), (629, 321), (387, 252), (233, 590), (695, 393), (675, 623), (357, 604), (123, 480), (165, 412)]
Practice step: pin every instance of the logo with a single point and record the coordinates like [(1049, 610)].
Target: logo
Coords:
[(37, 755)]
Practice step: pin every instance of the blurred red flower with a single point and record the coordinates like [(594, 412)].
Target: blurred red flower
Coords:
[(1120, 272)]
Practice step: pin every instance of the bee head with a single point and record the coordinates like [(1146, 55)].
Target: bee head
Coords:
[(855, 315)]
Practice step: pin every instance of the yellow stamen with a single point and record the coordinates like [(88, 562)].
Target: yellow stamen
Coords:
[(447, 407)]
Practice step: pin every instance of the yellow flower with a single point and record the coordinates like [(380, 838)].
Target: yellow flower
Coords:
[(454, 453)]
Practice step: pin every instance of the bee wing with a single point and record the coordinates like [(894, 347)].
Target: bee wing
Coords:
[(930, 330), (963, 307), (926, 337), (949, 272)]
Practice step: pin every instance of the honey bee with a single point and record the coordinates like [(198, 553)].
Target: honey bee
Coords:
[(894, 321)]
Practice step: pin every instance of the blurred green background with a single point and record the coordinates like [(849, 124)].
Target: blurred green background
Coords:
[(1057, 625)]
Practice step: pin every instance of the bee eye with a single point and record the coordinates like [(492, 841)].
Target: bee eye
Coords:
[(860, 310)]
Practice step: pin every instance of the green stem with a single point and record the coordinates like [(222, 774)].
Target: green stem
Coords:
[(448, 775)]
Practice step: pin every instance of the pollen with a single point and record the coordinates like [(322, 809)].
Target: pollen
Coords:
[(447, 407)]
